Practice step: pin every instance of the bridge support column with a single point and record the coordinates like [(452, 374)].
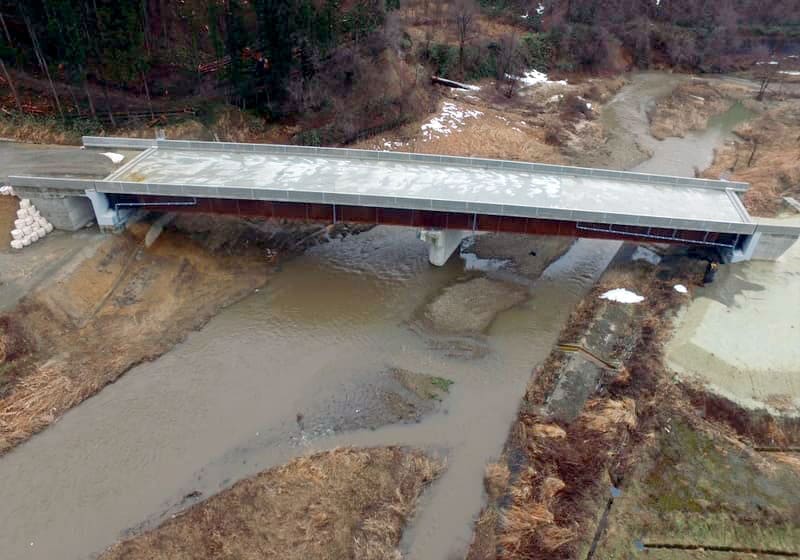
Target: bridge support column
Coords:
[(442, 243)]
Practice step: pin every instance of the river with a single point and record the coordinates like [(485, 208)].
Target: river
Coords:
[(287, 370)]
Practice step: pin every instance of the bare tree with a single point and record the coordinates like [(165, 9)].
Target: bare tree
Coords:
[(765, 70), (509, 63), (463, 16), (5, 29), (42, 62), (11, 85), (88, 95)]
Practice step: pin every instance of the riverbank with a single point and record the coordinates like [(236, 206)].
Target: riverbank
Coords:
[(633, 462), (345, 503), (118, 293)]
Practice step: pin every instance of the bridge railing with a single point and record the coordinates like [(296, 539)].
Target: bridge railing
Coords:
[(118, 142)]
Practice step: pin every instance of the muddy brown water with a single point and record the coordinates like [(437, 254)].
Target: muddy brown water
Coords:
[(278, 375)]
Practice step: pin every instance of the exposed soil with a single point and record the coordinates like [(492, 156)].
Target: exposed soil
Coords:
[(470, 307), (393, 396), (8, 213), (528, 255), (124, 304), (346, 503), (691, 105)]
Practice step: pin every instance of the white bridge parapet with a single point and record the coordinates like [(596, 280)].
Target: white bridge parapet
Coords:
[(424, 190)]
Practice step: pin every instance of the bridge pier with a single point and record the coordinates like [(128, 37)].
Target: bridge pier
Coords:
[(442, 243)]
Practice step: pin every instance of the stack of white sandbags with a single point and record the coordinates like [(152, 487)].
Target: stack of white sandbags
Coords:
[(6, 190), (29, 227)]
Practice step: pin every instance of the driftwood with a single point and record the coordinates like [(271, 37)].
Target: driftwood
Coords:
[(450, 83)]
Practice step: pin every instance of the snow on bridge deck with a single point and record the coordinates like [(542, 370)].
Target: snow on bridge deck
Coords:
[(398, 180)]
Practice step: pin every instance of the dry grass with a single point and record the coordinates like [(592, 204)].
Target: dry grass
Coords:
[(516, 128), (690, 105), (605, 415), (765, 155), (346, 503), (38, 131), (140, 302), (36, 401), (496, 477)]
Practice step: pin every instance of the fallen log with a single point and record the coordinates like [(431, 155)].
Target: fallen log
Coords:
[(451, 83)]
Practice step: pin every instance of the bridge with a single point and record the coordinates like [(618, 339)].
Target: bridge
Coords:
[(448, 198)]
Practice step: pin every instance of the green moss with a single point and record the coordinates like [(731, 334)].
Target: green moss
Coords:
[(442, 383)]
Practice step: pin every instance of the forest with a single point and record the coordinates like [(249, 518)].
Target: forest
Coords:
[(346, 66)]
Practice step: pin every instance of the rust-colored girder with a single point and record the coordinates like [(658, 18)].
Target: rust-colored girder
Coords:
[(328, 213)]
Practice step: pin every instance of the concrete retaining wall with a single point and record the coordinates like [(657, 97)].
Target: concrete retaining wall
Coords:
[(69, 213), (770, 247)]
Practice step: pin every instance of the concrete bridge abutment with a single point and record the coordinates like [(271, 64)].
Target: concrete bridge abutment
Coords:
[(442, 243)]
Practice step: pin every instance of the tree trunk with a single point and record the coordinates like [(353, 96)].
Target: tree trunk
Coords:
[(5, 30), (145, 26), (74, 99), (147, 93), (42, 63), (89, 99), (753, 153), (108, 106), (11, 85)]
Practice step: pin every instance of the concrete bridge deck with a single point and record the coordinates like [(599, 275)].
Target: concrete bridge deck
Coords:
[(445, 192)]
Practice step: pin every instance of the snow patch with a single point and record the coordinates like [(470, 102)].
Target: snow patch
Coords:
[(789, 72), (450, 120), (113, 156), (680, 288), (621, 295), (534, 77), (473, 262), (392, 144)]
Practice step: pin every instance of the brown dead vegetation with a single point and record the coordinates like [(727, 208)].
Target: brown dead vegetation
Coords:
[(123, 305), (690, 105), (755, 427), (765, 155), (345, 503), (549, 123), (561, 472)]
